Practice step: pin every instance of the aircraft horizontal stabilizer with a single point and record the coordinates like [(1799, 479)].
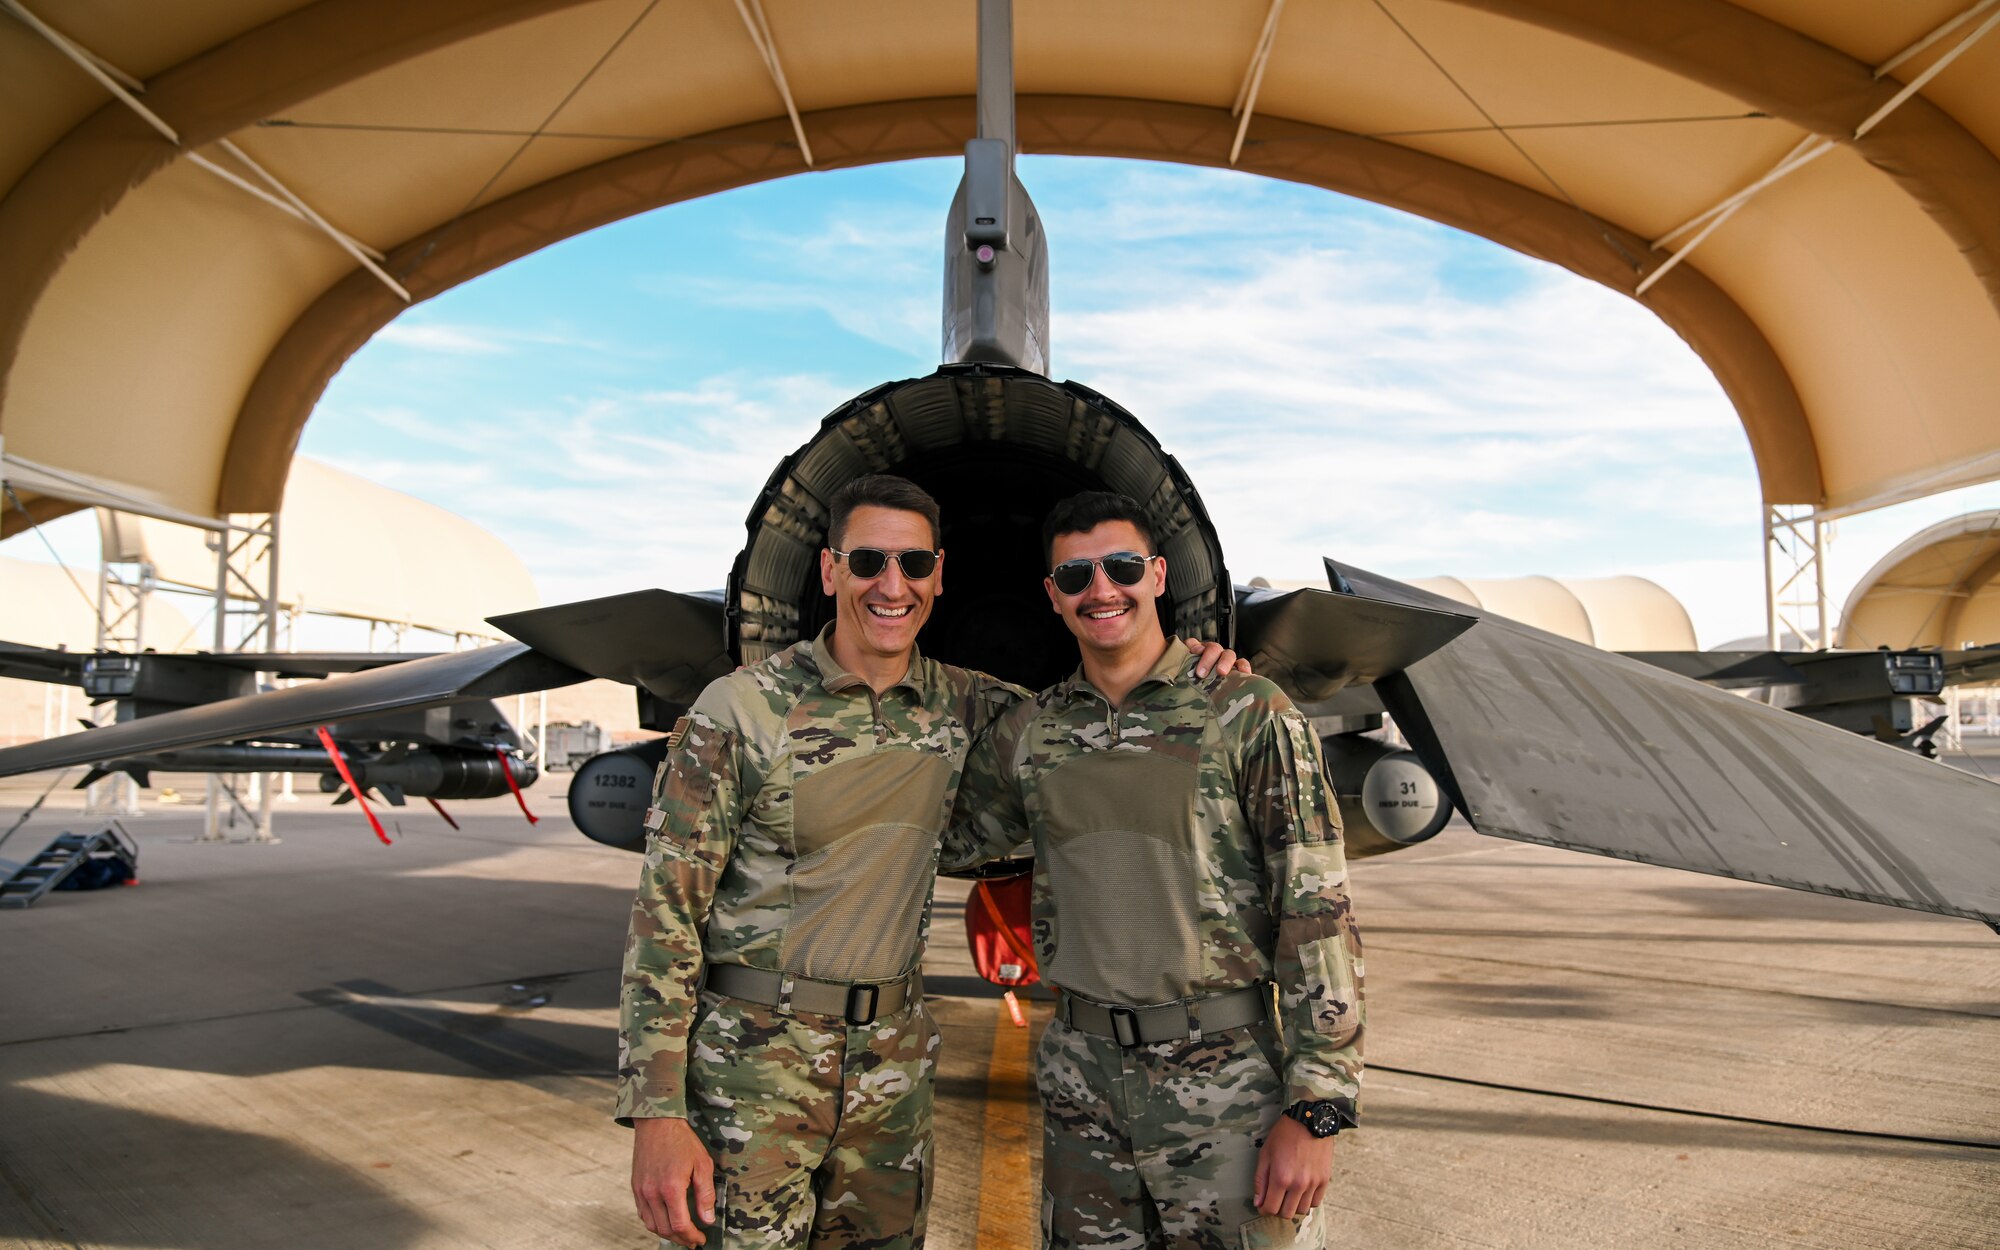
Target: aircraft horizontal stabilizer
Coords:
[(1313, 643), (487, 673), (1544, 740), (671, 644)]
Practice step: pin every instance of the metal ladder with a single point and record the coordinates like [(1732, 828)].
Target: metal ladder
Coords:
[(64, 856)]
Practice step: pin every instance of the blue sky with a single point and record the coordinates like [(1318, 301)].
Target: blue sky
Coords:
[(1338, 378)]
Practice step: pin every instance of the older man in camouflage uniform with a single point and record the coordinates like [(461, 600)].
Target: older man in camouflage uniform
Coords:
[(1188, 862), (777, 1058), (772, 1018)]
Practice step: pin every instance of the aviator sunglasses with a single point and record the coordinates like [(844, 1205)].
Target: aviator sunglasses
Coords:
[(1125, 568), (870, 561)]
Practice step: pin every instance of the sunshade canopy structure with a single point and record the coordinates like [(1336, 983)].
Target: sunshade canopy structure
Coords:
[(1941, 588), (356, 549), (181, 286)]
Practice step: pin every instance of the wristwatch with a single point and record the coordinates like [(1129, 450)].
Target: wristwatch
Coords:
[(1322, 1117)]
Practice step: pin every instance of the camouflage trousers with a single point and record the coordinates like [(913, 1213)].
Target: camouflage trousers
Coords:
[(820, 1130), (1156, 1145)]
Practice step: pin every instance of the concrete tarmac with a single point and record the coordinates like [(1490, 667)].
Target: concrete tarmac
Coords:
[(332, 1043)]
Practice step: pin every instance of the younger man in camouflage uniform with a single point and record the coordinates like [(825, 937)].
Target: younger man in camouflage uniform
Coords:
[(1187, 859), (772, 1019)]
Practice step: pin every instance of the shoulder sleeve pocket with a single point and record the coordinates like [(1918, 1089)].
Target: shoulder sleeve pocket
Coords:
[(691, 778), (1333, 980)]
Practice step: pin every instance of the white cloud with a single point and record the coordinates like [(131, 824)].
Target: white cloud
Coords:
[(622, 490), (449, 339), (1349, 402)]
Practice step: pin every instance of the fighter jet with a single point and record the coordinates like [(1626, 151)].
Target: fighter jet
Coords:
[(1527, 735)]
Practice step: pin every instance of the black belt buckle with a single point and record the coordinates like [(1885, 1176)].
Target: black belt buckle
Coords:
[(1124, 1026), (861, 1000)]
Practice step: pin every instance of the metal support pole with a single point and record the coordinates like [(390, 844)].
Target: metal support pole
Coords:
[(996, 71), (1810, 149), (246, 619), (124, 585), (752, 13), (1796, 539), (1253, 79)]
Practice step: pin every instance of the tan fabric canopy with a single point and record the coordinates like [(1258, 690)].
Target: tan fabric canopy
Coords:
[(1941, 588), (165, 333)]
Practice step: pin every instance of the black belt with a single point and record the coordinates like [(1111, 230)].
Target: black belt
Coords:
[(1168, 1022), (857, 1004)]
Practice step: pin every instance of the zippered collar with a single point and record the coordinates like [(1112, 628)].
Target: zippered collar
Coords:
[(834, 678), (1173, 668)]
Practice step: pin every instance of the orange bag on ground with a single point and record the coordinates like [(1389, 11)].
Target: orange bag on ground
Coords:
[(998, 931)]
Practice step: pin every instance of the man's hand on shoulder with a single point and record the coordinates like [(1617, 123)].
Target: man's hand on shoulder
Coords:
[(1293, 1169), (1215, 656), (666, 1158)]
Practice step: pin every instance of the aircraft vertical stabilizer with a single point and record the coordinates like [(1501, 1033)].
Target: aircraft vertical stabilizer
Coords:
[(996, 255)]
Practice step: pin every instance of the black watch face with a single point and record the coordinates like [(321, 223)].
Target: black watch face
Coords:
[(1322, 1119)]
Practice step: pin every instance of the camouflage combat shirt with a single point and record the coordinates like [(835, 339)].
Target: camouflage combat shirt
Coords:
[(1186, 844), (794, 827)]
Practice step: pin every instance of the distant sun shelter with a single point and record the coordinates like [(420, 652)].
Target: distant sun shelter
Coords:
[(1940, 588), (353, 548), (1621, 613), (1615, 613)]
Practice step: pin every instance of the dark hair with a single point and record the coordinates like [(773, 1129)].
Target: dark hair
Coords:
[(880, 490), (1079, 514)]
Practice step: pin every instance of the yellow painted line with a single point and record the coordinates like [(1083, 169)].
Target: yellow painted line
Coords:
[(1009, 1203)]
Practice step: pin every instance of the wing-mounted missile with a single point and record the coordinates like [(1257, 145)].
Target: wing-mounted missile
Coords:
[(487, 673), (1544, 740), (996, 255)]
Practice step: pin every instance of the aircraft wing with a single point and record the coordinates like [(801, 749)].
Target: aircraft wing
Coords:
[(1540, 739), (307, 663), (487, 673), (61, 668), (66, 668), (1975, 664)]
